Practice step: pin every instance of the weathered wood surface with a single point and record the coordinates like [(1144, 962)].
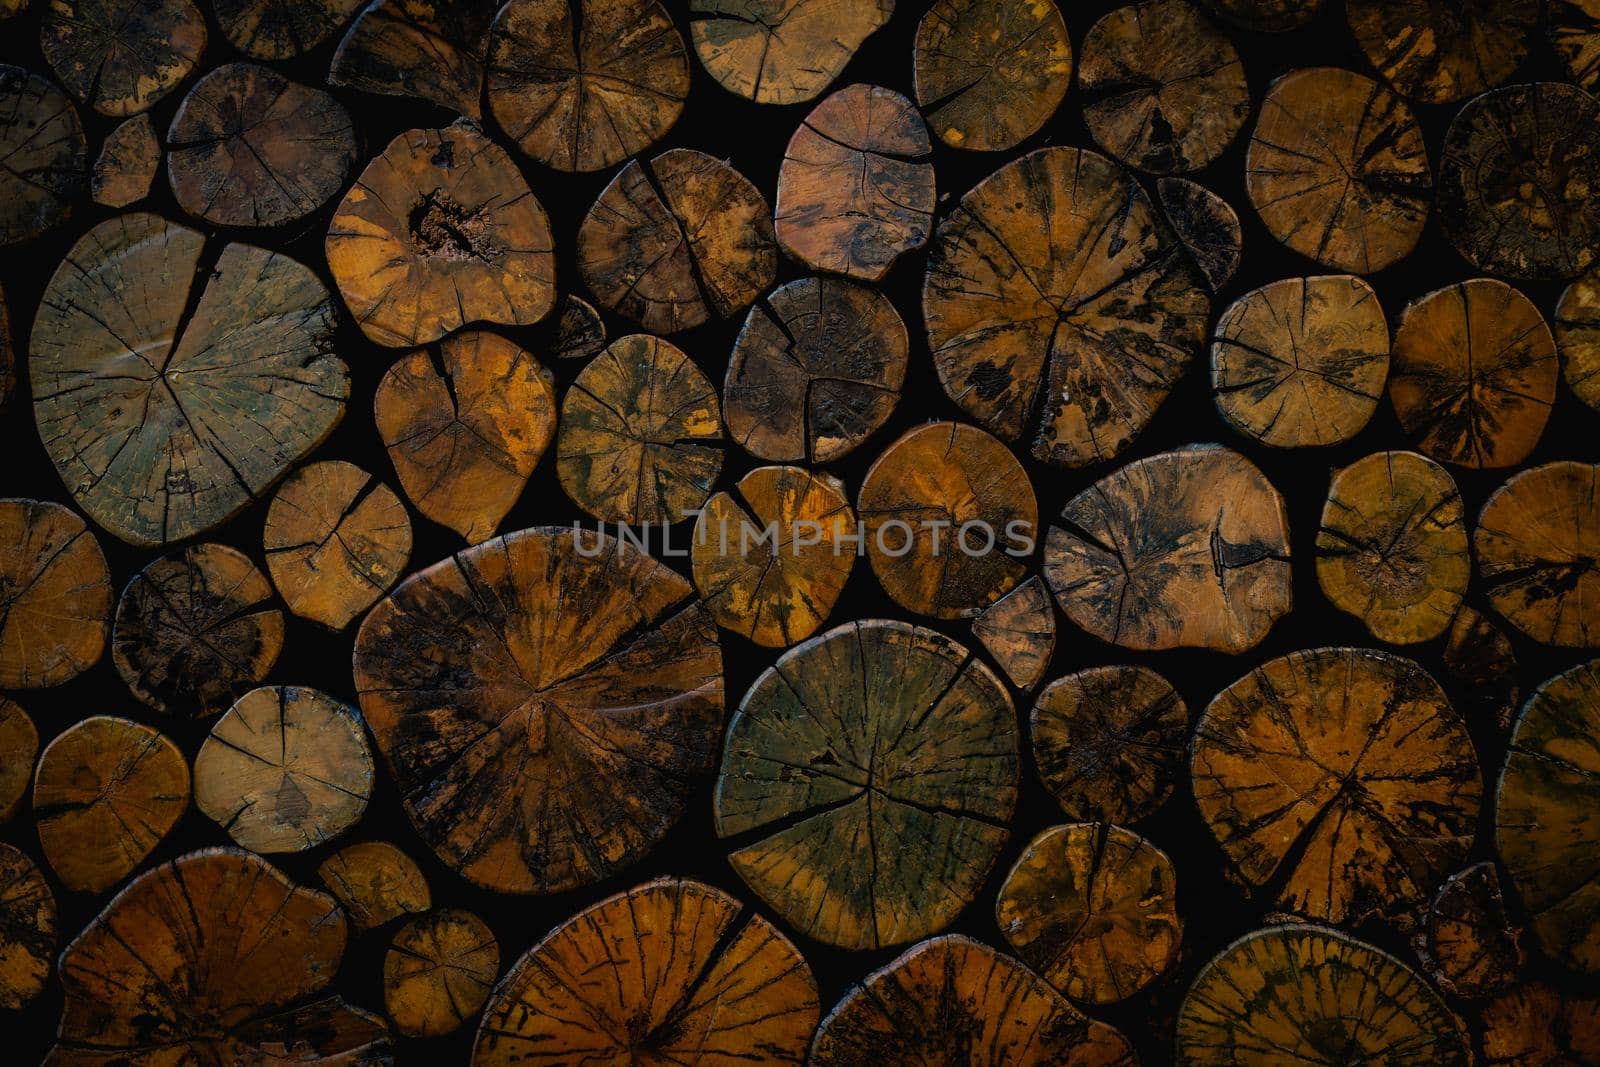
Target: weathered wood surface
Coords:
[(430, 50), (581, 332), (122, 56), (1574, 27), (1019, 632), (543, 714), (375, 883), (27, 929), (1467, 943), (781, 51), (1537, 545), (55, 595), (869, 777), (1265, 16), (19, 747), (669, 972), (45, 154), (1438, 53), (127, 165), (1206, 226), (1577, 333), (1479, 656), (1538, 1024), (438, 972), (282, 29)]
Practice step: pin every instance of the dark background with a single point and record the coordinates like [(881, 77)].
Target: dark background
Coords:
[(753, 137)]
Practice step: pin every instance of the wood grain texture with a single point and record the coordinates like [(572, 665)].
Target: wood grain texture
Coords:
[(438, 972), (55, 595), (1206, 226), (27, 929), (1439, 53), (581, 332), (127, 164), (122, 56), (1537, 1023), (45, 153), (375, 883), (429, 50), (1019, 632), (1467, 942), (1577, 334), (781, 51), (282, 29), (1478, 654), (19, 747), (1538, 549)]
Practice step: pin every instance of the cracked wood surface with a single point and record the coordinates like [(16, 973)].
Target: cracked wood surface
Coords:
[(1265, 16), (55, 595), (126, 167), (1058, 304), (1207, 227), (1019, 632), (43, 155), (1574, 28), (19, 747), (438, 972), (1538, 549), (1479, 656), (1467, 942), (282, 29), (669, 972), (174, 381), (1537, 1023), (781, 51), (544, 716), (1439, 53), (581, 332), (429, 50), (27, 929), (1577, 333), (122, 56), (868, 779), (375, 883)]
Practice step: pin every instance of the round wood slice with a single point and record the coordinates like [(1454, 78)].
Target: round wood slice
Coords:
[(336, 540), (856, 189), (1094, 909), (1265, 16), (1538, 550), (375, 883), (580, 332), (1186, 549), (641, 434), (1577, 331), (942, 512), (990, 73), (1109, 742), (583, 84), (1547, 816), (953, 1000), (248, 147), (669, 972), (55, 595), (1301, 362), (1393, 548), (196, 630), (1574, 27), (1207, 227), (195, 962), (282, 29), (1467, 942), (121, 56), (286, 769), (46, 157), (817, 369), (19, 747), (1338, 781), (1338, 170), (1479, 656), (1311, 995), (1019, 632), (770, 564), (439, 232), (438, 972), (781, 51), (173, 384), (1057, 306), (672, 241), (870, 774), (432, 52), (465, 422), (1439, 53), (127, 165), (1474, 375), (1539, 1024), (106, 793), (544, 717), (27, 929), (1164, 91), (1515, 178)]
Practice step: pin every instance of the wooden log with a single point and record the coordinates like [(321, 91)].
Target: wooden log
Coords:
[(1164, 90), (19, 747), (438, 972), (545, 718), (990, 73), (1467, 943), (173, 383), (1574, 27), (249, 147), (869, 776), (55, 595), (42, 142), (1514, 178), (1441, 53), (1338, 781), (1093, 908), (127, 164), (1301, 362), (671, 971), (1019, 632), (1186, 549), (1109, 742), (581, 85), (107, 791), (427, 51), (581, 332), (282, 29), (774, 590), (212, 958), (1479, 656), (439, 232), (27, 929), (336, 540), (672, 241), (1393, 549), (1265, 16), (196, 630), (781, 51), (1309, 994), (1057, 306), (1206, 226), (856, 188), (816, 370), (953, 1000), (1475, 370), (948, 515), (465, 421), (1338, 170), (1538, 550), (375, 883), (1547, 816), (1577, 334), (286, 769), (1536, 1023), (122, 56)]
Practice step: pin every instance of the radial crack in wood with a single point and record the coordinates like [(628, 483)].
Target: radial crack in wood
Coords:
[(781, 51), (121, 56), (581, 332), (282, 29), (45, 153), (27, 929), (438, 972), (1019, 632), (429, 50), (1538, 550), (1443, 52), (1467, 942), (1574, 27), (375, 883), (1207, 227), (127, 164), (55, 595)]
